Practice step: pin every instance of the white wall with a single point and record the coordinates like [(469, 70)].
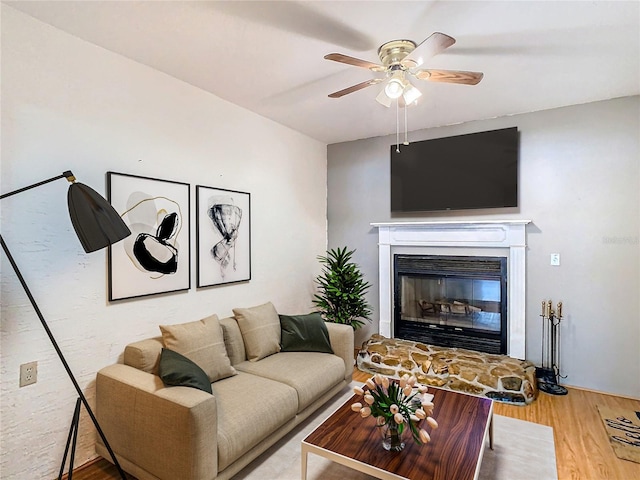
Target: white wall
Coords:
[(579, 184), (67, 104)]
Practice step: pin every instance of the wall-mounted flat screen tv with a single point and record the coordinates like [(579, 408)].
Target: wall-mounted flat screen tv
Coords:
[(476, 170)]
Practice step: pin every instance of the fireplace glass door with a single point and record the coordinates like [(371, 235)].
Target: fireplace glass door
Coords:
[(456, 302), (451, 301)]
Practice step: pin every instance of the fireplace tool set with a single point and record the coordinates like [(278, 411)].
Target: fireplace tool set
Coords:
[(549, 372)]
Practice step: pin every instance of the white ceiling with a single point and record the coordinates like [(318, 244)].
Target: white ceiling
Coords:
[(268, 56)]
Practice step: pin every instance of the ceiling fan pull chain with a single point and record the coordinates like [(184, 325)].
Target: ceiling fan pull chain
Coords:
[(397, 127), (406, 128)]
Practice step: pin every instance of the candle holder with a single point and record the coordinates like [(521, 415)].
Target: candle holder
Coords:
[(549, 373)]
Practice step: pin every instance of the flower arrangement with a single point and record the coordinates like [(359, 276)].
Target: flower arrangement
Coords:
[(397, 405)]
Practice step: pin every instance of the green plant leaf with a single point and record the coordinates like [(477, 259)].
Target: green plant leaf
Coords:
[(342, 289)]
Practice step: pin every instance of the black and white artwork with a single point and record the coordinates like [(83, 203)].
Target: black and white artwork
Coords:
[(155, 258), (223, 236)]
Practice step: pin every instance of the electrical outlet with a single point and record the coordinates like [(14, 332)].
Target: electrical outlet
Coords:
[(555, 259), (28, 373)]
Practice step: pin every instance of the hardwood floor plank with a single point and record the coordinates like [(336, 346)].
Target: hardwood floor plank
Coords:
[(582, 446), (583, 451), (98, 469)]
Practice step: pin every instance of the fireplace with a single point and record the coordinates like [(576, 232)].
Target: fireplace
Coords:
[(451, 301), (482, 238)]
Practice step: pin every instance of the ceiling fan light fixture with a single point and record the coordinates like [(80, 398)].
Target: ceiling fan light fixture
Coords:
[(395, 85), (383, 99), (394, 88), (411, 94)]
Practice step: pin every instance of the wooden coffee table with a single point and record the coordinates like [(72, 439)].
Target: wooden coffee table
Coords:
[(455, 450)]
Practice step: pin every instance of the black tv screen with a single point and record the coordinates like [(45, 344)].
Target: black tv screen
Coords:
[(477, 170)]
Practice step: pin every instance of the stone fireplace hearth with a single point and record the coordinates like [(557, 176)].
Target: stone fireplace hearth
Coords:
[(498, 377), (504, 238)]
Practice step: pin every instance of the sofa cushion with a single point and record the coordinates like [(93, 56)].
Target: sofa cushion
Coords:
[(310, 373), (250, 408), (304, 333), (178, 371), (260, 327), (202, 343)]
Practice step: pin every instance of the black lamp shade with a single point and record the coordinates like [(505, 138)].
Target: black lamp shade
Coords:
[(96, 223)]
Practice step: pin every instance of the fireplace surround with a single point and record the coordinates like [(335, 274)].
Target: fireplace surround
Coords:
[(458, 238)]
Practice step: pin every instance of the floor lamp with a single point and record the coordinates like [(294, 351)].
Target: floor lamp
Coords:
[(97, 225)]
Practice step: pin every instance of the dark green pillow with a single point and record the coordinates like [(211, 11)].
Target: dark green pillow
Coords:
[(178, 371), (304, 333)]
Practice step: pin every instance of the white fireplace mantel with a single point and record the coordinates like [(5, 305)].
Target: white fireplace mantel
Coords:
[(507, 234)]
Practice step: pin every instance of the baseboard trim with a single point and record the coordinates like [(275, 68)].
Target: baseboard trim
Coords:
[(84, 466), (600, 392)]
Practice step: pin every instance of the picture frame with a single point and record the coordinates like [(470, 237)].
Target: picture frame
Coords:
[(156, 258), (223, 236)]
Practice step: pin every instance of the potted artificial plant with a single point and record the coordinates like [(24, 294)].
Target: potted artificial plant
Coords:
[(342, 289)]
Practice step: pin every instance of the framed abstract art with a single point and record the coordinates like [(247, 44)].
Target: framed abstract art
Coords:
[(223, 236), (156, 258)]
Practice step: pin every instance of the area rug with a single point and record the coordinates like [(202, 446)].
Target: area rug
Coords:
[(623, 429), (522, 450)]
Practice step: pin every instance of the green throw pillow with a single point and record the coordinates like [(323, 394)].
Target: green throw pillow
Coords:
[(304, 333), (178, 371)]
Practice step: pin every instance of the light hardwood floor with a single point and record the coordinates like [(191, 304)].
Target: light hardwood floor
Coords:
[(583, 451)]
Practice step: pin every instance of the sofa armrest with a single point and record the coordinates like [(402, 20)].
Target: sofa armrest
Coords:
[(168, 432), (342, 343)]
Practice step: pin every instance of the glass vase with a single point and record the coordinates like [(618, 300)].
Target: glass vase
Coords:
[(391, 436)]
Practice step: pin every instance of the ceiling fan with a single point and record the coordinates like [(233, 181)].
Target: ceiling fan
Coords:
[(400, 60)]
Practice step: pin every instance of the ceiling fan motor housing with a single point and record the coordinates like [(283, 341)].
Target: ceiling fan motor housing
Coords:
[(392, 53)]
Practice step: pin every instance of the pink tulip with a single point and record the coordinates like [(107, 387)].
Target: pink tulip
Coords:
[(432, 422), (398, 418), (424, 436), (356, 407), (365, 412), (421, 414), (369, 399), (394, 408), (358, 391)]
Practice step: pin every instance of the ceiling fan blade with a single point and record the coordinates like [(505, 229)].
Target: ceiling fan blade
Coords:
[(450, 76), (433, 45), (338, 57), (355, 88)]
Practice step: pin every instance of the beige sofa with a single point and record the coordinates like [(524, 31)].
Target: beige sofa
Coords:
[(182, 433)]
